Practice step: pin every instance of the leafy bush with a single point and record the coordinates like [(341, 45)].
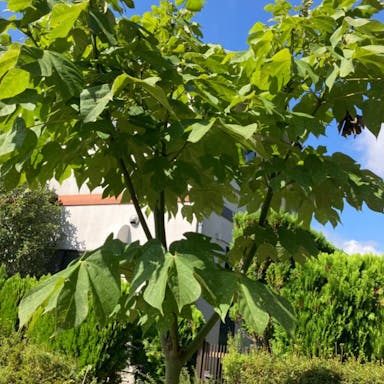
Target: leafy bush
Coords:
[(11, 292), (24, 363), (30, 228), (259, 367), (339, 304), (102, 348)]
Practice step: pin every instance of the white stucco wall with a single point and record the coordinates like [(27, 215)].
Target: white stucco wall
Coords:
[(93, 223)]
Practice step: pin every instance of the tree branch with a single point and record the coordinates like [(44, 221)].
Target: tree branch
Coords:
[(135, 201), (265, 208), (159, 213), (198, 340)]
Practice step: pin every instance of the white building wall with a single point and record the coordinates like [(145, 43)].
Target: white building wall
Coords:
[(94, 223)]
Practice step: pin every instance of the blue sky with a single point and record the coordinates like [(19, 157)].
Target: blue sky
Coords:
[(227, 22)]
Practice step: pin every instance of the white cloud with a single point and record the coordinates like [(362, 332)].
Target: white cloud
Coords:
[(353, 246), (350, 246), (371, 150)]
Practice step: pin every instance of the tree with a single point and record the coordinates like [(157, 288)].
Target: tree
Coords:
[(145, 109), (30, 229)]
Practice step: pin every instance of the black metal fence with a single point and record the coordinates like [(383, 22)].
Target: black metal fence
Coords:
[(208, 363)]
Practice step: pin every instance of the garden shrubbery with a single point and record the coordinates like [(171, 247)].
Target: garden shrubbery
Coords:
[(338, 301), (259, 367), (103, 349), (24, 363), (339, 305), (31, 226)]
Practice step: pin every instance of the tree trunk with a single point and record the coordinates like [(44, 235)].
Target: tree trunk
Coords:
[(173, 367)]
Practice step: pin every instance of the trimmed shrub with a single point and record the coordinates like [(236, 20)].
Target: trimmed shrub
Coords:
[(12, 291), (24, 363), (260, 367), (339, 305)]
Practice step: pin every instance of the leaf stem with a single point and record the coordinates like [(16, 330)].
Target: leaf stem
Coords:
[(265, 208), (198, 340), (135, 201), (159, 214)]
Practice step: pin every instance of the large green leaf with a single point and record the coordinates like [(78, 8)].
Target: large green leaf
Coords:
[(275, 74), (8, 58), (148, 84), (93, 102), (102, 267), (221, 299), (18, 139), (150, 260), (249, 307), (238, 131), (257, 302), (39, 297), (95, 276), (73, 301), (154, 293), (14, 82), (199, 130), (64, 16), (186, 289), (71, 80)]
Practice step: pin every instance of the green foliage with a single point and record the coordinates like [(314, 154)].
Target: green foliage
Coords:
[(3, 275), (270, 264), (338, 301), (24, 363), (30, 227), (11, 292), (102, 349), (141, 107), (261, 367), (282, 239), (153, 367)]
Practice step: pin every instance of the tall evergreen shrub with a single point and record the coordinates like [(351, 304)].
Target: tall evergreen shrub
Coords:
[(339, 304)]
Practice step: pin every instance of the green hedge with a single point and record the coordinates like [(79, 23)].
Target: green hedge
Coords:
[(24, 363), (102, 348), (339, 304), (263, 368), (11, 292)]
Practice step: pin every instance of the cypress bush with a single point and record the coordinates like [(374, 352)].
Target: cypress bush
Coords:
[(12, 291), (339, 305), (259, 367), (104, 350)]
